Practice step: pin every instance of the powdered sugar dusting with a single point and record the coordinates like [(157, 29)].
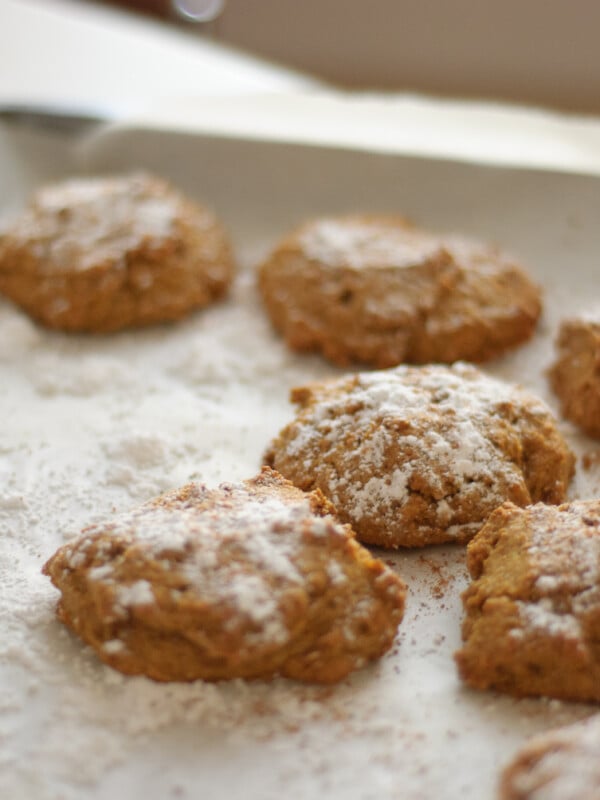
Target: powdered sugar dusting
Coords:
[(373, 442), (570, 541), (138, 593), (358, 244), (542, 617), (240, 551), (565, 552), (590, 315), (84, 223)]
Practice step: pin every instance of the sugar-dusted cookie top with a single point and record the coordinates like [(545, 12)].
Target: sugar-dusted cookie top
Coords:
[(374, 289), (532, 622), (249, 580), (417, 455), (99, 254)]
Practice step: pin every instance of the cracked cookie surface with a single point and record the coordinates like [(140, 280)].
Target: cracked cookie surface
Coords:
[(249, 580), (373, 289), (412, 456), (532, 624), (102, 254)]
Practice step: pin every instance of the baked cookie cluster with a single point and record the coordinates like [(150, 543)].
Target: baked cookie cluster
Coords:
[(266, 577), (250, 580), (102, 254), (378, 291), (413, 456)]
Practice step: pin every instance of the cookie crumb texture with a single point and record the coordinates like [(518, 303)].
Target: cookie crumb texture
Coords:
[(245, 581), (376, 290), (575, 375), (101, 254), (419, 455), (532, 623), (562, 764)]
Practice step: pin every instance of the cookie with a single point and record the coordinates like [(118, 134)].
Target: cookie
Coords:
[(249, 580), (412, 456), (101, 254), (376, 290), (532, 624), (563, 764), (575, 376)]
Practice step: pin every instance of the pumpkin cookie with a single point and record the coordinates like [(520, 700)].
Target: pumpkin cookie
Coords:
[(563, 764), (418, 455), (101, 254), (249, 580), (532, 623), (376, 290), (575, 376)]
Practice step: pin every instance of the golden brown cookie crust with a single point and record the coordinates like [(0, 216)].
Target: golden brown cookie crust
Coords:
[(562, 764), (373, 289), (575, 375), (101, 254), (250, 580), (419, 455), (532, 624)]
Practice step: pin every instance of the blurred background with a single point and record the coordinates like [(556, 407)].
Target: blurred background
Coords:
[(539, 52)]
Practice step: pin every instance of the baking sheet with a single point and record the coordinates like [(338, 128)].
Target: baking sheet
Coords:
[(93, 425)]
